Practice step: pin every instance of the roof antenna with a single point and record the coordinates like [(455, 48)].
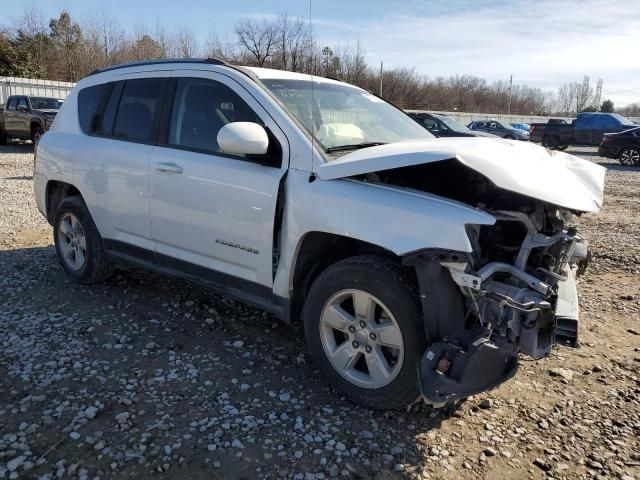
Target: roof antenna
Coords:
[(312, 177)]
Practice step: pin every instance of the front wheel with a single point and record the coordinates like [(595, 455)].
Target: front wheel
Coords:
[(630, 156), (363, 327), (36, 134), (78, 243)]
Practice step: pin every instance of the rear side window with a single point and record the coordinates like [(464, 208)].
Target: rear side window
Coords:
[(200, 109), (91, 102), (139, 109)]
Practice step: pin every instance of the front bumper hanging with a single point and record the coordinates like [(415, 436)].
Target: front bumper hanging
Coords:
[(450, 371)]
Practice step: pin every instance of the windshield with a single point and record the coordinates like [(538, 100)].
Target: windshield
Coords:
[(452, 124), (623, 120), (44, 103), (344, 116), (504, 125)]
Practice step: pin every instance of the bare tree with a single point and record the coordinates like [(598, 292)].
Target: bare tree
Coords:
[(186, 43), (259, 39), (105, 30)]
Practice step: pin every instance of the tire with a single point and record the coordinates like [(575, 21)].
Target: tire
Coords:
[(86, 265), (629, 156), (36, 133), (552, 143), (393, 289)]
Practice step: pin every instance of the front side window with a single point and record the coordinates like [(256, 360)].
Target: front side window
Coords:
[(22, 104), (453, 124), (139, 109), (339, 115), (200, 109)]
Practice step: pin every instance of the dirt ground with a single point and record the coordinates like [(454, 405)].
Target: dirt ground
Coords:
[(150, 377)]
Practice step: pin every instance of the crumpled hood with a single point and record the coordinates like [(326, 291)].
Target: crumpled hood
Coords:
[(551, 176)]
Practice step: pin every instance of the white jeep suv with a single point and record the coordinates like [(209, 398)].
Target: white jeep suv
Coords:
[(419, 266)]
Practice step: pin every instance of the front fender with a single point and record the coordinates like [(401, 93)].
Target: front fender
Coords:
[(401, 221)]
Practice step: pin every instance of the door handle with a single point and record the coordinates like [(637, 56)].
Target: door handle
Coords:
[(169, 167)]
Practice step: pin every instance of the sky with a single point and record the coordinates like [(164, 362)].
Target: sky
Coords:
[(542, 43)]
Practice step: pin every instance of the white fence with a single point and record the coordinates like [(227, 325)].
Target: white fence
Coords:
[(466, 117), (33, 86)]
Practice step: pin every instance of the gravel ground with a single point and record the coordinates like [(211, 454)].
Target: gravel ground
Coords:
[(146, 376)]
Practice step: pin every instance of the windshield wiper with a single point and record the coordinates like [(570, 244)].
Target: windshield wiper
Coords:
[(355, 146)]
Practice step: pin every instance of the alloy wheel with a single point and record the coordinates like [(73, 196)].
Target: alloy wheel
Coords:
[(361, 338), (72, 241), (630, 157)]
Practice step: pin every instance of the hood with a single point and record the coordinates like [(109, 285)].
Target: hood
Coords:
[(528, 169)]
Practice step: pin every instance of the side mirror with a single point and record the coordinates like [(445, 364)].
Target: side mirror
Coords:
[(243, 138)]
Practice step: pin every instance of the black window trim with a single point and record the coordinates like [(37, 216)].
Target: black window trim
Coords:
[(164, 125)]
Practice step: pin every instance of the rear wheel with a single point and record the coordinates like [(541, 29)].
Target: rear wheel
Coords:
[(630, 156), (364, 330), (78, 243)]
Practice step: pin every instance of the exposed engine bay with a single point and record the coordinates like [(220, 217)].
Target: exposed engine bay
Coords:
[(514, 293)]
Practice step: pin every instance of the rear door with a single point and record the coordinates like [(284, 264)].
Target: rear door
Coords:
[(122, 120), (212, 213)]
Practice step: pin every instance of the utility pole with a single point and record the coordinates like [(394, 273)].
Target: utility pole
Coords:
[(381, 78), (510, 91)]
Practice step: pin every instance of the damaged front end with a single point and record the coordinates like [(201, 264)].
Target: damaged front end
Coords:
[(515, 293)]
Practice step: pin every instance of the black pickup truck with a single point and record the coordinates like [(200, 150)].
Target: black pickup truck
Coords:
[(27, 117), (587, 129)]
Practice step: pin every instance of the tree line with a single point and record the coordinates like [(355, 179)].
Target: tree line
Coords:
[(66, 49)]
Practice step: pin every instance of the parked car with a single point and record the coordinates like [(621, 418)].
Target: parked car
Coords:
[(521, 126), (587, 129), (27, 117), (418, 265), (499, 128), (444, 126), (625, 146)]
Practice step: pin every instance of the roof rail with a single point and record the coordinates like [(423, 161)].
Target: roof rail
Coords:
[(210, 61)]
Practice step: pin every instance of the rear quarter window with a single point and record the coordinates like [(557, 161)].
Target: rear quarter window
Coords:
[(91, 101)]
